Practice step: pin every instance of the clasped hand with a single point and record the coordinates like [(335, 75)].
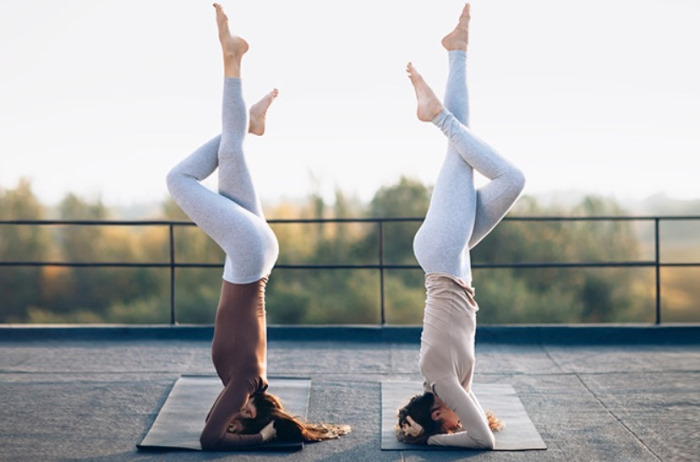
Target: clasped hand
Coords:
[(268, 432), (412, 428)]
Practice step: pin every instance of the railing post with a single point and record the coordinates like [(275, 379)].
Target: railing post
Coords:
[(657, 261), (381, 272), (173, 316)]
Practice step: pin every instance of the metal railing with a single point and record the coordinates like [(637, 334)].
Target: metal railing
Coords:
[(381, 266)]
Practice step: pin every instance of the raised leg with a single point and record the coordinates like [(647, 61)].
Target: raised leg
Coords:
[(456, 96), (506, 183), (235, 181), (233, 218), (233, 47), (488, 212), (442, 243), (250, 245), (258, 112)]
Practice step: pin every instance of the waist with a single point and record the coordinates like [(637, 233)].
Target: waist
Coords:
[(447, 292)]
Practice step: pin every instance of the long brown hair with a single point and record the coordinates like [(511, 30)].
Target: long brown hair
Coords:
[(419, 408), (289, 428)]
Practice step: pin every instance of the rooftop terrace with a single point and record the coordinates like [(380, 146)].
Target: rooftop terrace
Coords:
[(595, 393)]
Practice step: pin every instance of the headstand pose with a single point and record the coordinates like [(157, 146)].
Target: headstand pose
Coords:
[(459, 216), (243, 413)]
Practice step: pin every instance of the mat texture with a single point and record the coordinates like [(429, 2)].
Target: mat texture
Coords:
[(181, 418), (520, 434)]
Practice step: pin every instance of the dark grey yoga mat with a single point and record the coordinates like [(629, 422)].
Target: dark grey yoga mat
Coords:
[(181, 418), (520, 433)]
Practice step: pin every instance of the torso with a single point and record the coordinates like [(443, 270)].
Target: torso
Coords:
[(449, 327), (240, 343)]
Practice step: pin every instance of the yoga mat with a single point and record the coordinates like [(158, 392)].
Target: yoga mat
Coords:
[(181, 418), (520, 434)]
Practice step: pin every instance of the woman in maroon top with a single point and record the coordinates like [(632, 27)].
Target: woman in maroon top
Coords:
[(243, 413), (233, 218)]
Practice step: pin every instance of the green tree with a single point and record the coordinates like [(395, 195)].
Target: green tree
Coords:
[(525, 295), (96, 294), (196, 289), (406, 199), (21, 286), (555, 294)]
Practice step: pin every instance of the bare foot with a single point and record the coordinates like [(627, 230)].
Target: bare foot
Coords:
[(232, 46), (429, 106), (458, 39), (258, 111)]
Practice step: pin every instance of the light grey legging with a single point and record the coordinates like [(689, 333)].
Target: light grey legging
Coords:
[(233, 218), (460, 216)]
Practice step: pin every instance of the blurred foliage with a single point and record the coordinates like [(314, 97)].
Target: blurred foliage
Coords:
[(56, 294)]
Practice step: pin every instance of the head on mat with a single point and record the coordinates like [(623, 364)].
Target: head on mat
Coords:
[(263, 408), (425, 415)]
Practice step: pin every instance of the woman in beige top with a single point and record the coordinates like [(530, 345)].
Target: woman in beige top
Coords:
[(459, 217)]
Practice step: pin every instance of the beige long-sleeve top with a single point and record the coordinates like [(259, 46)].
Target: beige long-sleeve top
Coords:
[(447, 358)]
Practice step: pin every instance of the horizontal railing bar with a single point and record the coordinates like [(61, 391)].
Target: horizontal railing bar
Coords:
[(98, 222), (360, 266), (382, 266), (93, 264), (339, 220), (605, 218)]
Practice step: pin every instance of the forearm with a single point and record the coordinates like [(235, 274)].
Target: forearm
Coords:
[(230, 441), (477, 433), (462, 440)]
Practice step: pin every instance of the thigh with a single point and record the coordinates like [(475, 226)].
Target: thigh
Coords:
[(441, 243), (229, 224)]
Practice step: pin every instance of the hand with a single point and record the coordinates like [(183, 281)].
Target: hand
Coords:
[(268, 432), (412, 428)]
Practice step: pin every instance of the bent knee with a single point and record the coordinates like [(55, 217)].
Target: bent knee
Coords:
[(517, 179), (173, 180), (263, 253)]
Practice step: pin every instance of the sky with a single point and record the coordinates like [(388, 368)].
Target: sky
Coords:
[(101, 98)]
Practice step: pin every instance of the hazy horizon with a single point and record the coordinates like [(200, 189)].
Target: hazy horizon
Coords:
[(100, 98)]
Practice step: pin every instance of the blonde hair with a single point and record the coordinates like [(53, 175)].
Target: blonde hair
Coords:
[(495, 424)]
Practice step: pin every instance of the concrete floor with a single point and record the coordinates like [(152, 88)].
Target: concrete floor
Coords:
[(594, 394)]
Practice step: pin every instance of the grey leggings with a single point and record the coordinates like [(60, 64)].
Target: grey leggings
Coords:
[(460, 216), (233, 218)]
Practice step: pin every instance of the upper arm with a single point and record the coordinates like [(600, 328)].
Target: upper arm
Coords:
[(215, 433), (476, 432)]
